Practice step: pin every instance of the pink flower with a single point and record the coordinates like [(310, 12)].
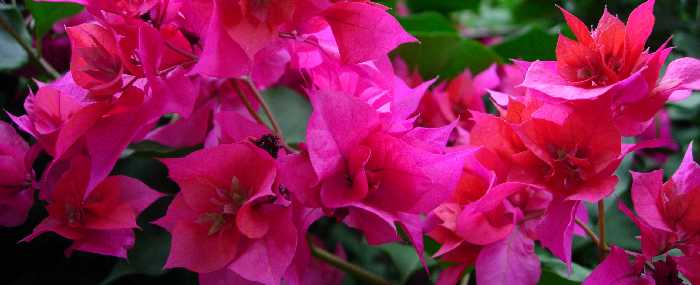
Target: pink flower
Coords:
[(365, 176), (489, 225), (98, 220), (16, 182), (612, 61), (570, 152), (53, 107), (667, 217), (226, 216), (580, 149)]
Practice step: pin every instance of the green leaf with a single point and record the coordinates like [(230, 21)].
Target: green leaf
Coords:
[(291, 110), (553, 265), (446, 55), (687, 43), (427, 23), (151, 248), (532, 43), (149, 170), (154, 149), (12, 55), (45, 14), (146, 257), (488, 21), (442, 6), (404, 258)]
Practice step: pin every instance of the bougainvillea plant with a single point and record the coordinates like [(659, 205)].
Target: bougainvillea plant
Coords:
[(487, 175)]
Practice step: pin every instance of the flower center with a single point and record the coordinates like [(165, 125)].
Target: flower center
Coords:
[(229, 201)]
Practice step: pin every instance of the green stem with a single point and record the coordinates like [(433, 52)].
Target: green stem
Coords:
[(601, 229), (589, 232), (360, 273), (41, 62), (247, 104), (266, 108), (268, 112)]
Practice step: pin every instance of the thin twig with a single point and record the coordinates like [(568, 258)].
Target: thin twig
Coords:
[(603, 246), (365, 276), (589, 232), (271, 117), (266, 108), (29, 50), (247, 104)]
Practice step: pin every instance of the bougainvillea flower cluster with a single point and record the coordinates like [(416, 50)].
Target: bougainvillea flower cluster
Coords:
[(385, 151)]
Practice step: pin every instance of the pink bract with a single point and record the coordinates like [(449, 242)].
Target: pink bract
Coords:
[(99, 220)]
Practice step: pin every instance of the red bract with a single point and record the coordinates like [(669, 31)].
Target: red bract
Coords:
[(226, 216), (17, 179), (580, 149), (611, 62), (607, 54), (95, 62), (98, 220)]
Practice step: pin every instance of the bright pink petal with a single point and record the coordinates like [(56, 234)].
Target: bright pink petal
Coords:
[(105, 242), (185, 132), (355, 22), (681, 74), (543, 77), (376, 225), (192, 246), (202, 173), (349, 186), (510, 261), (131, 191), (556, 230), (298, 176), (269, 64), (236, 127), (265, 260), (653, 240), (646, 191), (222, 56), (337, 124), (616, 270)]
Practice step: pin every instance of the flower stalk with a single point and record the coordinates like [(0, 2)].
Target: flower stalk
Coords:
[(602, 245), (356, 271)]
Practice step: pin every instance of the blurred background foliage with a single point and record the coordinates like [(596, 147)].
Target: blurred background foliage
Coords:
[(454, 34)]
